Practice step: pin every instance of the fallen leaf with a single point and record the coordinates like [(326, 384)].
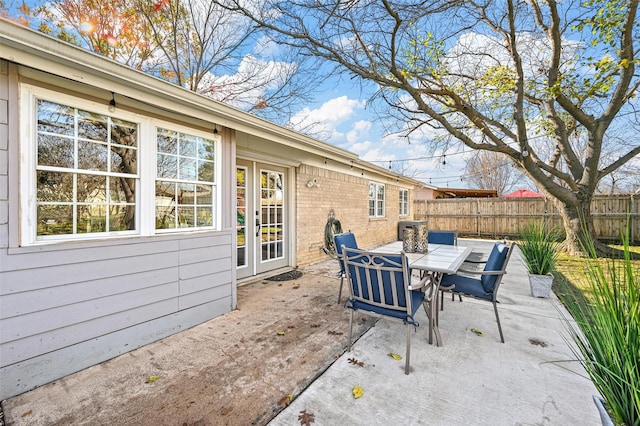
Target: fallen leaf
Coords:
[(538, 343), (355, 362), (26, 413), (152, 379), (306, 418), (314, 325), (280, 333), (291, 326), (395, 356), (478, 332), (285, 400), (225, 410), (335, 333), (357, 392)]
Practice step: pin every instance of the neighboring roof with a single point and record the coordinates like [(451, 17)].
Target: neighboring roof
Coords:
[(526, 193), (39, 51), (467, 193)]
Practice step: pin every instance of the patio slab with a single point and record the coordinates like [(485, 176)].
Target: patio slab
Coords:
[(471, 380), (235, 369)]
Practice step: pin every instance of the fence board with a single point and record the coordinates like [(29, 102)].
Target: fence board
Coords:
[(503, 217)]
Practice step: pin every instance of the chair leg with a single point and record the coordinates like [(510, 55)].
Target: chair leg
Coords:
[(350, 329), (340, 291), (495, 308), (408, 354)]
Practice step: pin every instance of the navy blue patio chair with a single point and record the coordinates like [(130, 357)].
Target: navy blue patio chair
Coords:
[(487, 285), (449, 238), (443, 237), (380, 286), (347, 239)]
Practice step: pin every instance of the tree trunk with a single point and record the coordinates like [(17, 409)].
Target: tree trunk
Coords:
[(579, 229)]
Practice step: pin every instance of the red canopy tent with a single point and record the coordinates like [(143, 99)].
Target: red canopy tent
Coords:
[(523, 193)]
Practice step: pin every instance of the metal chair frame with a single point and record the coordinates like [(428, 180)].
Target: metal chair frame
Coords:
[(494, 294), (376, 283)]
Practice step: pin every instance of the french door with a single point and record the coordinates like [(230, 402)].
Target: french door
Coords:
[(261, 218)]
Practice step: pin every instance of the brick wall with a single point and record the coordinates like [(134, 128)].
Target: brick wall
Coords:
[(347, 194)]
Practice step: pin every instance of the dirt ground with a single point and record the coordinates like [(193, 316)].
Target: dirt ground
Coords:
[(237, 369)]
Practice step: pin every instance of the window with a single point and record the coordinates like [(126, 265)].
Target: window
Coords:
[(90, 173), (404, 202), (184, 180), (376, 200), (86, 172)]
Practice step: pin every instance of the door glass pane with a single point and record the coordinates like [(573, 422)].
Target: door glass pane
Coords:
[(272, 196), (241, 214)]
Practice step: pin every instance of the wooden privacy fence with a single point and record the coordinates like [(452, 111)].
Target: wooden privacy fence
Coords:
[(502, 217)]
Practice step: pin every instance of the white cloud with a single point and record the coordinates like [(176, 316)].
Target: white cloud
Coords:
[(323, 121), (359, 131)]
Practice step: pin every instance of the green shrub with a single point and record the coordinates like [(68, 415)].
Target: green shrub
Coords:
[(606, 333), (539, 248)]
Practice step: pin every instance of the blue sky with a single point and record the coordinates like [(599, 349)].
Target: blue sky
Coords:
[(349, 123)]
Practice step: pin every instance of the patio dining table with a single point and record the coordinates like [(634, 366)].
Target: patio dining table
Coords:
[(438, 260)]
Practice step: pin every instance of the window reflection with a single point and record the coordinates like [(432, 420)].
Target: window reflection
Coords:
[(185, 177), (96, 193)]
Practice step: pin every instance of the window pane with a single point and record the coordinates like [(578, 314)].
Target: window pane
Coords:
[(56, 219), (167, 166), (124, 133), (55, 151), (124, 160), (55, 118), (188, 146), (186, 217), (92, 126), (204, 216), (122, 218), (206, 150), (205, 171), (92, 218), (187, 169), (92, 156), (167, 141), (91, 188), (165, 193), (54, 186), (204, 195), (186, 193), (165, 217), (122, 190)]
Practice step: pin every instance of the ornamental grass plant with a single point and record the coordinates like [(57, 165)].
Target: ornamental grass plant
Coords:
[(539, 247), (606, 332)]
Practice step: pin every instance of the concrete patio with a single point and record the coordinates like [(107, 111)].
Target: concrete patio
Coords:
[(235, 369), (472, 380)]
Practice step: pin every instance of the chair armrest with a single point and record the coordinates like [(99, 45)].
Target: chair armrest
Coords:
[(465, 271), (422, 283)]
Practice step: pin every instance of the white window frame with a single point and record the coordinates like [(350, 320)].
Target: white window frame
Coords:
[(403, 207), (378, 205), (147, 155), (216, 180)]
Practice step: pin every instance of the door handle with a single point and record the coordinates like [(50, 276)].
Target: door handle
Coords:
[(258, 225)]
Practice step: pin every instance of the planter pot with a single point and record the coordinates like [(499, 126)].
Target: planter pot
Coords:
[(604, 416), (541, 285)]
